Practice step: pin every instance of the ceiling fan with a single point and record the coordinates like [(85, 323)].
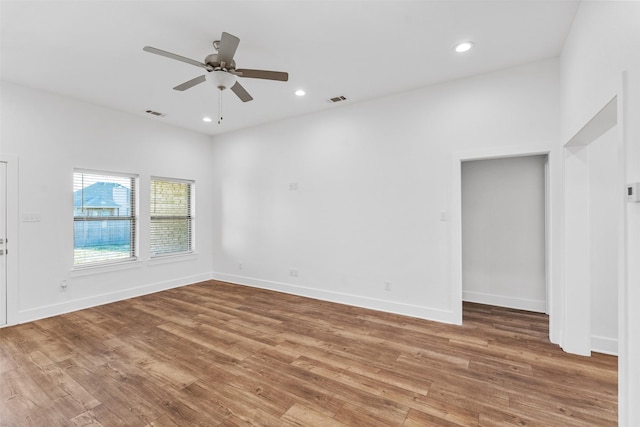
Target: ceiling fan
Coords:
[(221, 68)]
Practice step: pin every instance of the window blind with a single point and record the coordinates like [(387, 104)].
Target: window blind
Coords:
[(171, 216), (104, 216)]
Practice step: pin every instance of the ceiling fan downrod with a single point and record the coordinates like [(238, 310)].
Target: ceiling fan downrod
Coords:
[(220, 107)]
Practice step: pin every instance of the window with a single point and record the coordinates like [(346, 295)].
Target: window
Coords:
[(104, 218), (171, 216)]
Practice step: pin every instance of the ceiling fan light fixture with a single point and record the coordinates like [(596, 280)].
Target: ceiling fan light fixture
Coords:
[(464, 46), (206, 119), (221, 79), (221, 70)]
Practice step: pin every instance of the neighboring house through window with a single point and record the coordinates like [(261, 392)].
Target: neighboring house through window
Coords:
[(104, 213)]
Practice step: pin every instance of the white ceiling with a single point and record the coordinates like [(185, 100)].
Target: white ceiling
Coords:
[(92, 50)]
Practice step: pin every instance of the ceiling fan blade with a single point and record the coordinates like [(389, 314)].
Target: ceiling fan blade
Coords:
[(263, 74), (190, 83), (176, 57), (226, 50), (241, 92)]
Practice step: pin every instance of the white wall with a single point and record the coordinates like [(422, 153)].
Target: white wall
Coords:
[(51, 135), (604, 41), (503, 232), (372, 179), (629, 298), (603, 234)]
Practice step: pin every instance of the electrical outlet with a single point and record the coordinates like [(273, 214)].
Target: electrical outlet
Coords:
[(293, 272), (240, 266), (293, 186), (387, 286), (31, 217)]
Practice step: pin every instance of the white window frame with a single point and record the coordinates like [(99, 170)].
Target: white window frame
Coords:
[(132, 218), (190, 217)]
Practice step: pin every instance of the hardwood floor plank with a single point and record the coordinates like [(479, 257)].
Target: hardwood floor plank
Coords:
[(439, 413), (218, 354), (300, 415), (86, 419), (417, 418), (375, 386), (368, 416), (301, 384)]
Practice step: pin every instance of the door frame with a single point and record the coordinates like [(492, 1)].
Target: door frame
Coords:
[(538, 306), (456, 215), (12, 237), (577, 331)]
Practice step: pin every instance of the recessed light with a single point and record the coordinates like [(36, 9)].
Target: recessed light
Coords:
[(206, 119), (300, 92), (463, 47)]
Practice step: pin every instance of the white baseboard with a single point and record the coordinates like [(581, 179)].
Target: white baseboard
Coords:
[(420, 312), (503, 301), (604, 345), (93, 301)]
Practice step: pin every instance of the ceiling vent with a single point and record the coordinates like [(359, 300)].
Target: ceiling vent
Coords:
[(155, 113), (338, 99)]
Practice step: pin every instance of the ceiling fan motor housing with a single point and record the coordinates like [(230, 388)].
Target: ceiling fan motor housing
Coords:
[(212, 60)]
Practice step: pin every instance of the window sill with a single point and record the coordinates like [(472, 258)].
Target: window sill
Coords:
[(105, 268), (166, 259)]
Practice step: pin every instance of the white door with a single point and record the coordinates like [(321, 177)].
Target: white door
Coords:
[(3, 243)]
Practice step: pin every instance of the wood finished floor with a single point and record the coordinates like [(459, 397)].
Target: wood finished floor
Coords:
[(216, 354)]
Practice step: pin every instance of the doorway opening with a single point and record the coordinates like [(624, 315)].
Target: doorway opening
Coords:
[(504, 244), (594, 238), (551, 218)]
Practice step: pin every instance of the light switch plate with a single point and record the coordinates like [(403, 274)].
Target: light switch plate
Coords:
[(633, 192)]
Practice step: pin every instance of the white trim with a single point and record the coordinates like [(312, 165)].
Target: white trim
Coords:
[(13, 230), (3, 232), (606, 118), (132, 217), (456, 212), (502, 152), (191, 216), (166, 259), (176, 180), (105, 173), (604, 345), (538, 306), (629, 245), (577, 254), (411, 310), (96, 300), (89, 269)]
